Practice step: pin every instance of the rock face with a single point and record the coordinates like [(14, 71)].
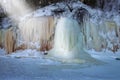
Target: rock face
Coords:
[(91, 3), (80, 14), (2, 13), (106, 5), (2, 16), (41, 3)]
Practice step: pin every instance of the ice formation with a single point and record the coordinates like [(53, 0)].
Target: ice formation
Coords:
[(68, 42)]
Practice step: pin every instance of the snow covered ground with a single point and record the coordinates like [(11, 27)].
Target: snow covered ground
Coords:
[(28, 66)]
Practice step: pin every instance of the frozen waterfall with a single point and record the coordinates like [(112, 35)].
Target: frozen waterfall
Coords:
[(69, 42)]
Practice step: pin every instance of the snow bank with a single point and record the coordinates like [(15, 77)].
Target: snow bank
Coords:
[(28, 53)]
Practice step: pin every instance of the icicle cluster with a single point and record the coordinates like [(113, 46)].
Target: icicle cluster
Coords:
[(37, 30)]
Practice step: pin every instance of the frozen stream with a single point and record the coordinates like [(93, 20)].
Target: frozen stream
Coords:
[(16, 68)]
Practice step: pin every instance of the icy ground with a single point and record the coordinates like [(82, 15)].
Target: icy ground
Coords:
[(28, 66)]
